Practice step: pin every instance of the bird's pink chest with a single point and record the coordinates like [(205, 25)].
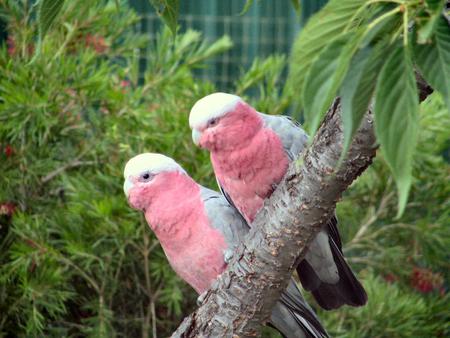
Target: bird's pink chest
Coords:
[(199, 264), (194, 249), (250, 175)]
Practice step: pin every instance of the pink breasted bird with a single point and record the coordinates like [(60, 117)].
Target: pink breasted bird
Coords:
[(250, 154), (198, 230)]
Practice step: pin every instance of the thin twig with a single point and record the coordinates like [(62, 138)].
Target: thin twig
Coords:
[(74, 164)]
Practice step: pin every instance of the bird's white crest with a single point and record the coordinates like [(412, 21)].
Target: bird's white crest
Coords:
[(211, 106), (152, 162)]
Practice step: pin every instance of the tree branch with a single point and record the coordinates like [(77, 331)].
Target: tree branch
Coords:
[(243, 296)]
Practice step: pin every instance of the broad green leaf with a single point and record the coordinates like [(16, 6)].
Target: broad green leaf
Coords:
[(358, 87), (396, 118), (168, 10), (325, 76), (47, 12), (434, 60), (322, 28)]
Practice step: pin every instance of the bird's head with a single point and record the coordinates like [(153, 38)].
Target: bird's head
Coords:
[(223, 121), (149, 175)]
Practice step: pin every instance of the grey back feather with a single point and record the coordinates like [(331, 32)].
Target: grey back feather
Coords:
[(293, 137), (224, 217)]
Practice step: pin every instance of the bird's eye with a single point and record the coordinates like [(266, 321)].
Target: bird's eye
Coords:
[(213, 122), (145, 177)]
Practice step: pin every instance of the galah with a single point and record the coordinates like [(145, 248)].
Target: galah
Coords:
[(197, 229), (250, 153)]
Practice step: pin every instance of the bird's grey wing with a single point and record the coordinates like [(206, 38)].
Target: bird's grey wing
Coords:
[(293, 137), (293, 317), (224, 217)]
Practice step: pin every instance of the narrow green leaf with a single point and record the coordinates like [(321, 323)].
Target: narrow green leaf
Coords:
[(325, 76), (396, 118), (168, 10), (434, 60), (322, 28), (358, 87)]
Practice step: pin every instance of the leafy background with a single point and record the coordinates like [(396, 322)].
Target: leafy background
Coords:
[(75, 260)]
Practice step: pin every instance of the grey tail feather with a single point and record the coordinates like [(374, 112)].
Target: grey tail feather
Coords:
[(332, 296), (293, 317)]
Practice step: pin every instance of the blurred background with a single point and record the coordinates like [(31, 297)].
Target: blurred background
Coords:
[(109, 83)]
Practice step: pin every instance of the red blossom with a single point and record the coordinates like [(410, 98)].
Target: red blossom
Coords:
[(13, 50), (11, 46), (97, 42), (425, 281), (7, 208), (124, 83), (9, 150), (390, 278)]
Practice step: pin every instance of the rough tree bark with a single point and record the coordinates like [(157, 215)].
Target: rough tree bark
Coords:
[(243, 296)]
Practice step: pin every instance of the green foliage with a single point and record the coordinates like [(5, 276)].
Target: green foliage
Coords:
[(433, 59), (264, 78), (168, 11), (390, 312), (47, 12), (333, 55), (396, 103), (75, 259), (357, 89), (324, 77), (403, 262)]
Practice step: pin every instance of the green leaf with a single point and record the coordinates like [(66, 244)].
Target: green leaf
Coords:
[(322, 28), (357, 89), (434, 60), (296, 5), (168, 10), (396, 118), (248, 4), (434, 9), (47, 12), (325, 76)]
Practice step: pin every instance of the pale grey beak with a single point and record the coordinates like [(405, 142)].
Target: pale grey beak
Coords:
[(127, 186), (196, 135)]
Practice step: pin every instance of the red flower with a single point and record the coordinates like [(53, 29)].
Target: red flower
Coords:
[(124, 83), (97, 42), (7, 208), (9, 150), (11, 46), (425, 281), (390, 278), (13, 50)]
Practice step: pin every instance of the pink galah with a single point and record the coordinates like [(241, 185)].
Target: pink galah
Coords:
[(198, 230), (250, 154)]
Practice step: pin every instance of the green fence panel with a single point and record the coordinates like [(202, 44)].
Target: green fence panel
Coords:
[(268, 27)]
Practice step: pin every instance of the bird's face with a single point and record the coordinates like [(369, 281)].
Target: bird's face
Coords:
[(222, 121), (145, 178)]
